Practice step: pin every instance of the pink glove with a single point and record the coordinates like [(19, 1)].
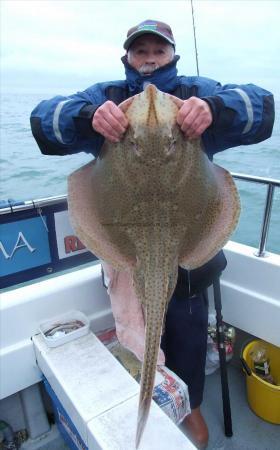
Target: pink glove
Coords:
[(128, 312)]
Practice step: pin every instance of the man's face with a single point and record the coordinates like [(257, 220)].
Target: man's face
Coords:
[(149, 52)]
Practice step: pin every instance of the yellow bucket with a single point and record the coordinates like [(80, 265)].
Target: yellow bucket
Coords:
[(263, 397)]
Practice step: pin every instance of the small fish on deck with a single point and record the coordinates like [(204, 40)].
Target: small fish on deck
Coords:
[(148, 204)]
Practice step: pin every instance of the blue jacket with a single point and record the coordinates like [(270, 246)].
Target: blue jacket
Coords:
[(242, 114)]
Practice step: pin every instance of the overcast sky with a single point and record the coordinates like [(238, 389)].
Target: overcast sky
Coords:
[(71, 44)]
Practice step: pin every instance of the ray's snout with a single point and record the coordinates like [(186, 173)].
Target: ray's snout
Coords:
[(152, 114), (160, 112), (151, 91)]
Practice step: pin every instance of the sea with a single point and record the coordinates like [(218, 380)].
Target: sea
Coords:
[(26, 174)]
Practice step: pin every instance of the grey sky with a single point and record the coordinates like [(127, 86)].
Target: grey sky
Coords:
[(72, 44)]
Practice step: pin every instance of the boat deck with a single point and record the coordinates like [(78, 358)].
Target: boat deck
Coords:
[(249, 431)]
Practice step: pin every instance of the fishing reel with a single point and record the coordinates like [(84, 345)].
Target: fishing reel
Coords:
[(229, 333)]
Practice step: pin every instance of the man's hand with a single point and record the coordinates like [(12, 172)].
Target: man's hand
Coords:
[(110, 121), (194, 117)]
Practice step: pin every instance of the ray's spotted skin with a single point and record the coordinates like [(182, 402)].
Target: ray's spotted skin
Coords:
[(148, 204)]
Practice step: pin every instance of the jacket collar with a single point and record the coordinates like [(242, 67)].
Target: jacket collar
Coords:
[(164, 78)]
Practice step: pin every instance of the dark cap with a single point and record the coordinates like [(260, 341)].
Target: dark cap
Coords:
[(152, 27)]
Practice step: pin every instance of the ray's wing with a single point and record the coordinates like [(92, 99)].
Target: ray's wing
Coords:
[(220, 220), (203, 240), (107, 243)]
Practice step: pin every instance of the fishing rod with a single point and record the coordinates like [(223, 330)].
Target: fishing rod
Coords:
[(222, 357), (194, 37)]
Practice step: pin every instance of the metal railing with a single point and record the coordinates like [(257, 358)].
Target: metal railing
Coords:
[(271, 185), (32, 204), (269, 182)]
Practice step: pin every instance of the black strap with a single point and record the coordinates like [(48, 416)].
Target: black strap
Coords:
[(184, 92), (117, 94)]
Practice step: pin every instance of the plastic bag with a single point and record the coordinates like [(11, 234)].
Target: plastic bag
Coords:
[(212, 356)]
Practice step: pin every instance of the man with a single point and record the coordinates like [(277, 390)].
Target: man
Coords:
[(224, 116)]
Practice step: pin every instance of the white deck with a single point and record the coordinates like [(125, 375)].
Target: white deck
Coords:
[(101, 398)]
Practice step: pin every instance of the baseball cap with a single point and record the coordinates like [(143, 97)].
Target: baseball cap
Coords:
[(149, 26)]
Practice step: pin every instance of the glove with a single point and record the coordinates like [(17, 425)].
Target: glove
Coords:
[(127, 312)]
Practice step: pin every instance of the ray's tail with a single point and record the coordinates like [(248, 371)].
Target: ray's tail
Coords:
[(152, 342), (159, 283)]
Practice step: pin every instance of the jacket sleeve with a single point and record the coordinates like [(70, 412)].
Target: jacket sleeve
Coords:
[(62, 125), (242, 115)]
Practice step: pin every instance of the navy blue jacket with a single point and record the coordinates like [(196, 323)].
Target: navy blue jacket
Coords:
[(242, 114)]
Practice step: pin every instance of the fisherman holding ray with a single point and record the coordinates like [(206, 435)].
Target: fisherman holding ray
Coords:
[(223, 117)]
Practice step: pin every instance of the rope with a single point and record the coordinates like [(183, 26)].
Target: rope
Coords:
[(195, 44)]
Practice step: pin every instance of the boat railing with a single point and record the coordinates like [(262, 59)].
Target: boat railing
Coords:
[(271, 185), (269, 182)]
